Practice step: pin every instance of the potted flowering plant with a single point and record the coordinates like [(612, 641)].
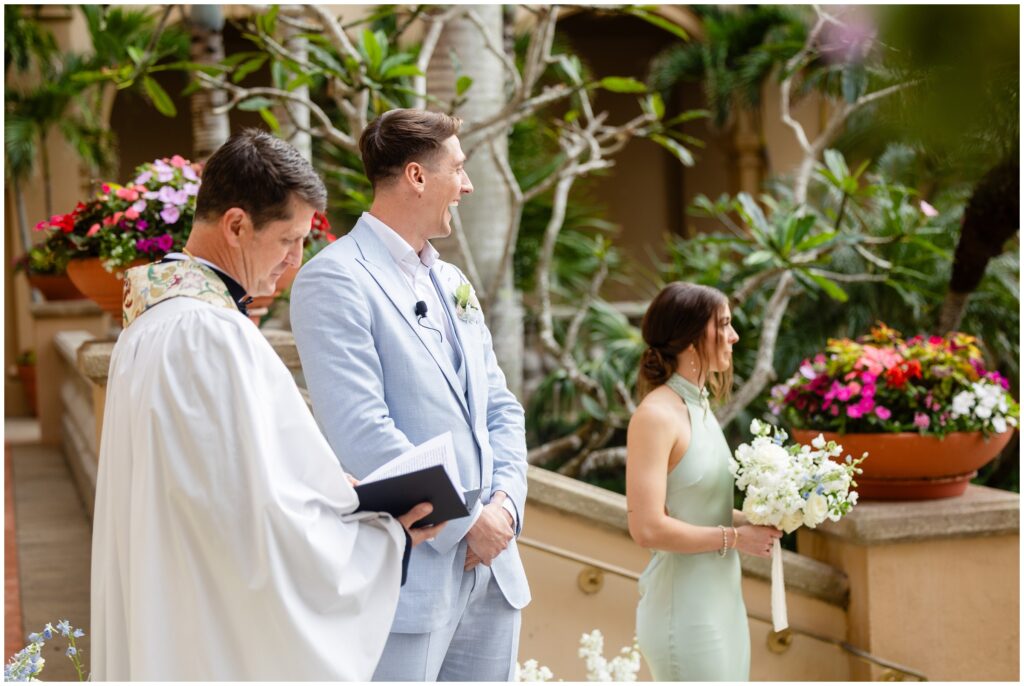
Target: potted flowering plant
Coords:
[(45, 265), (125, 225), (926, 408)]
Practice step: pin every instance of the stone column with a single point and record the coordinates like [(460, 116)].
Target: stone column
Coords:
[(934, 585), (49, 319)]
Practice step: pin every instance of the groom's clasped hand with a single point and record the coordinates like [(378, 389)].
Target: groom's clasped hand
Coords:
[(489, 536)]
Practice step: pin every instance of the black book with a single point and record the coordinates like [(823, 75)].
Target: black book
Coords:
[(397, 495)]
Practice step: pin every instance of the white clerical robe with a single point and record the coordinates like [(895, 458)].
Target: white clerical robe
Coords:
[(224, 541)]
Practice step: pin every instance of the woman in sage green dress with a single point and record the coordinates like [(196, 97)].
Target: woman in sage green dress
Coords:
[(691, 620)]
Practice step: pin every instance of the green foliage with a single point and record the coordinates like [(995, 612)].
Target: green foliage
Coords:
[(875, 228), (742, 46)]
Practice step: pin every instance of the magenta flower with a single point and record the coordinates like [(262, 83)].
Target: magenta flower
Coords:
[(854, 412), (142, 225), (165, 242), (882, 413), (921, 420)]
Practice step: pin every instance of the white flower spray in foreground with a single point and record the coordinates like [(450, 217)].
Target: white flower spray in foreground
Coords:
[(623, 667), (791, 486)]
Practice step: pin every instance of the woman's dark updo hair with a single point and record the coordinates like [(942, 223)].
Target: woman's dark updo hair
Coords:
[(676, 319)]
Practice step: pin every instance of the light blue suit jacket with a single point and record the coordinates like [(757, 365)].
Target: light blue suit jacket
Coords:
[(380, 384)]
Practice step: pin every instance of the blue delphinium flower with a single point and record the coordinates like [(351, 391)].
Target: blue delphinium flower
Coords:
[(65, 627), (78, 633), (48, 631), (71, 651), (35, 638)]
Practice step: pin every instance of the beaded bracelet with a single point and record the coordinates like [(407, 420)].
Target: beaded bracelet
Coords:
[(725, 542)]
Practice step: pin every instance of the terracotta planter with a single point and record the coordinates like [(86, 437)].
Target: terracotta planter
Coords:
[(908, 466), (27, 375), (102, 287), (259, 307), (55, 286)]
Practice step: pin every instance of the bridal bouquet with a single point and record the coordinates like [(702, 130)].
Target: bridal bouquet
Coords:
[(791, 486)]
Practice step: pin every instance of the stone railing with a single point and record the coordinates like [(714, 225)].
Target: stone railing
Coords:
[(894, 590)]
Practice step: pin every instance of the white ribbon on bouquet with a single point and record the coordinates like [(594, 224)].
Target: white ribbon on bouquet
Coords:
[(780, 620)]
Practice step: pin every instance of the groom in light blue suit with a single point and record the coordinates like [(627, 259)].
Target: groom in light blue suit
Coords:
[(395, 351)]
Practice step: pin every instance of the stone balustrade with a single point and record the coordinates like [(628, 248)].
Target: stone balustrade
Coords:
[(926, 588)]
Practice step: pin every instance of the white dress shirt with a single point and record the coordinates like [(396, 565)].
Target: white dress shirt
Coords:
[(415, 269)]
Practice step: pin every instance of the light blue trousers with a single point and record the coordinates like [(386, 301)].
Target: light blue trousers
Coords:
[(480, 644)]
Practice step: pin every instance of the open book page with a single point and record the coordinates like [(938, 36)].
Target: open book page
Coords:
[(437, 451)]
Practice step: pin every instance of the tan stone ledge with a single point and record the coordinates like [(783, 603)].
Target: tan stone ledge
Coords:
[(94, 356), (64, 308), (981, 511), (68, 344), (581, 499)]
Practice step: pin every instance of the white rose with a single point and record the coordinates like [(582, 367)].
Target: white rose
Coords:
[(815, 510), (792, 521)]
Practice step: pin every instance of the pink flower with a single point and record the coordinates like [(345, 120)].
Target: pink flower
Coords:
[(139, 206), (178, 161), (42, 226), (921, 420), (93, 230), (105, 188), (877, 360), (928, 211), (129, 194), (854, 412), (131, 213), (882, 413), (170, 214)]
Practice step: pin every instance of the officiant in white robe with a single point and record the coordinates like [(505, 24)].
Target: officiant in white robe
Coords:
[(225, 542)]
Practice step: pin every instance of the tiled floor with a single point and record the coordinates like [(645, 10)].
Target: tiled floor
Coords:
[(53, 541)]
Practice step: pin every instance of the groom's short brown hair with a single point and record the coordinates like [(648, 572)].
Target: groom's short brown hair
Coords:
[(398, 137)]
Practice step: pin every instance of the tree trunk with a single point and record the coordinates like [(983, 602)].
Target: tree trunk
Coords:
[(486, 215), (296, 133), (992, 216), (209, 130)]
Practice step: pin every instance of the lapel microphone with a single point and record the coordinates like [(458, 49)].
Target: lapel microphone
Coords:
[(421, 312)]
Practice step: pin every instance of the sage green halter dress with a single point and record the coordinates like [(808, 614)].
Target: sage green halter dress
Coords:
[(691, 622)]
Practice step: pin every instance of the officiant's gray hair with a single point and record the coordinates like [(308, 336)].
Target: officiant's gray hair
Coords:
[(258, 173)]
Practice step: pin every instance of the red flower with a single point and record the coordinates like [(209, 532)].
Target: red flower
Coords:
[(914, 369), (895, 377)]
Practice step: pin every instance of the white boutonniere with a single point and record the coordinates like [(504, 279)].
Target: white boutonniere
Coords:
[(467, 307)]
